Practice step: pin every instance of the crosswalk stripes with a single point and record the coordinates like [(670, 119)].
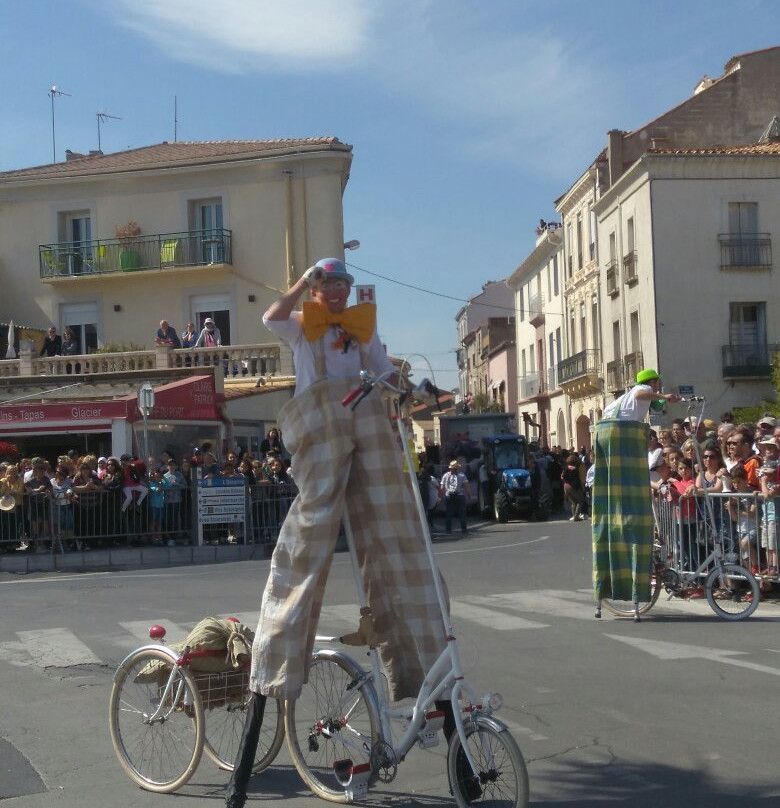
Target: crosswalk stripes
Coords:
[(56, 648), (510, 611)]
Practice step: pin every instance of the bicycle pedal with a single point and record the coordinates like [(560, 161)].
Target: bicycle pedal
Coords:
[(353, 777), (429, 734)]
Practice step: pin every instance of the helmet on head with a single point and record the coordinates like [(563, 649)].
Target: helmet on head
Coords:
[(334, 270), (647, 375)]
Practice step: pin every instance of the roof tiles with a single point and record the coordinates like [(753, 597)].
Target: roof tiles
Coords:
[(168, 155)]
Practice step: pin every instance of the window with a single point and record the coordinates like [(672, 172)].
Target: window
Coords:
[(555, 275), (594, 321), (579, 241), (636, 345), (523, 366), (75, 229), (207, 221), (218, 308), (616, 351), (521, 302), (583, 327), (743, 219), (744, 246), (81, 319), (747, 324)]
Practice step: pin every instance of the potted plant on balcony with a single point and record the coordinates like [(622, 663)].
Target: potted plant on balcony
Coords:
[(127, 235)]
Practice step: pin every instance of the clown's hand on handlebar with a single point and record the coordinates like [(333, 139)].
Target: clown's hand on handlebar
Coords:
[(314, 276)]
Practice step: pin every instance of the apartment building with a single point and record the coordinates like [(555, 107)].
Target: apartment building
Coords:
[(538, 285), (495, 300), (108, 245)]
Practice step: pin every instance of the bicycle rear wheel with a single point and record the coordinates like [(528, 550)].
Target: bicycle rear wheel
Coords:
[(157, 737), (627, 608), (225, 698), (335, 718), (732, 592), (501, 780)]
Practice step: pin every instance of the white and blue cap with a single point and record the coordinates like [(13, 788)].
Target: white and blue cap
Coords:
[(334, 270)]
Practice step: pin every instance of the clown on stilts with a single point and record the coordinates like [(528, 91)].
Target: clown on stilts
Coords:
[(622, 516), (339, 456)]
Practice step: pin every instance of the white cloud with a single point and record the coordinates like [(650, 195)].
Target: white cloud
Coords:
[(239, 36)]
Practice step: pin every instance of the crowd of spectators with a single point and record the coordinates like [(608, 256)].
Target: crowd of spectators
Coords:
[(81, 502), (693, 458)]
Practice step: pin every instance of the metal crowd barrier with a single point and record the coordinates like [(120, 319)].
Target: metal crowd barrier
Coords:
[(95, 519), (742, 522)]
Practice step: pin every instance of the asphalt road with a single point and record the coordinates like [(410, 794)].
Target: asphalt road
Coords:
[(680, 709)]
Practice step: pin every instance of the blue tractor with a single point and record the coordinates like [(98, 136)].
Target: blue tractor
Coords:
[(507, 487)]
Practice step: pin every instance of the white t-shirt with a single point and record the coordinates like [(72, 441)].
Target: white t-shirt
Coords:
[(338, 363), (627, 407)]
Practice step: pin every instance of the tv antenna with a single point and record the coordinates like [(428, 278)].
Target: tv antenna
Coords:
[(53, 91), (104, 116)]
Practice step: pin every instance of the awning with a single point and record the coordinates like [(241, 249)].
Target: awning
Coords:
[(87, 415)]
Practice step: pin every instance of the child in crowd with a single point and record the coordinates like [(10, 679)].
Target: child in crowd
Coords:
[(743, 510), (132, 482), (769, 475), (156, 505), (682, 492)]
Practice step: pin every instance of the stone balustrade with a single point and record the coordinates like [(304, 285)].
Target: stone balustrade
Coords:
[(237, 361)]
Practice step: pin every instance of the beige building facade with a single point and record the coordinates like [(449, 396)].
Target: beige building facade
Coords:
[(538, 283)]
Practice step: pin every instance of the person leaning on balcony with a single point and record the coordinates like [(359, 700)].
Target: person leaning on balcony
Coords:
[(166, 335), (340, 454), (210, 336), (189, 336), (70, 345), (622, 516), (52, 344)]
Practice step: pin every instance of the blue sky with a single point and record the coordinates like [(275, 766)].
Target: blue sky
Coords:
[(467, 117)]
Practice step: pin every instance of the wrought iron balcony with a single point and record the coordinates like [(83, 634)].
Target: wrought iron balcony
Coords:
[(751, 251), (161, 251), (612, 278), (632, 364), (584, 363), (615, 379), (748, 361), (630, 276)]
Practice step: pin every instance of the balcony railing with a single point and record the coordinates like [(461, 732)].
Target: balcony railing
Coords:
[(632, 364), (614, 376), (529, 386), (612, 278), (748, 361), (536, 308), (237, 361), (584, 363), (161, 251), (745, 251), (630, 276)]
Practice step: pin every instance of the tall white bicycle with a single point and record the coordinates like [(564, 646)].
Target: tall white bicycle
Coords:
[(344, 735)]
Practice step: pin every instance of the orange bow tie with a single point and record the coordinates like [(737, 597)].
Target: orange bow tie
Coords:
[(358, 321)]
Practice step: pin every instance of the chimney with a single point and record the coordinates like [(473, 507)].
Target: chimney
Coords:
[(72, 155)]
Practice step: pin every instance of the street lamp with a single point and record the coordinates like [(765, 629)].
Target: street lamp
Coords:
[(146, 405), (352, 244)]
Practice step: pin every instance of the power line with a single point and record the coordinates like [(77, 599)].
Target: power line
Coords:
[(468, 301)]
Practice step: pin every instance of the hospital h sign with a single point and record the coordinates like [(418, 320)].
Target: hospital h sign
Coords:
[(365, 294)]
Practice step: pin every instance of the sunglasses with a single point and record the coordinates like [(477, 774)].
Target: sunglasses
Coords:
[(710, 457)]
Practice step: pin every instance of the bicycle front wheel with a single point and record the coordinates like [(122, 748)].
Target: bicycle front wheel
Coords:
[(226, 697), (156, 720), (335, 718), (501, 780), (732, 592), (627, 608)]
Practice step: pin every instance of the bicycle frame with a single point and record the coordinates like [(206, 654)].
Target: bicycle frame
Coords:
[(446, 674)]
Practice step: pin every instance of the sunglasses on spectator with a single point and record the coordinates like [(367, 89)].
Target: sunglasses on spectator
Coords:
[(710, 457)]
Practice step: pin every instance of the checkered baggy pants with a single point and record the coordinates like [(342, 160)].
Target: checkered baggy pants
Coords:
[(343, 454)]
